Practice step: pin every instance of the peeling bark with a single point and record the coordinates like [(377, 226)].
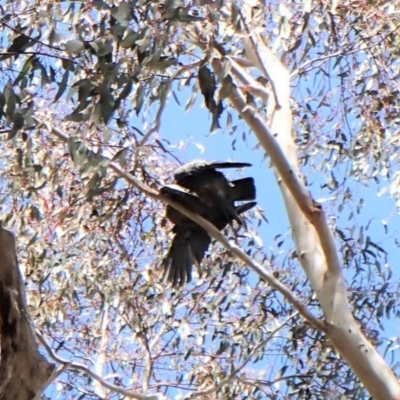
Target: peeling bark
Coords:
[(24, 372)]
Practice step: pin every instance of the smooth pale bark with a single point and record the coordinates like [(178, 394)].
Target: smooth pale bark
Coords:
[(24, 372), (315, 246)]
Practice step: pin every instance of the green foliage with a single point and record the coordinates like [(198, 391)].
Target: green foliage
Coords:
[(103, 73)]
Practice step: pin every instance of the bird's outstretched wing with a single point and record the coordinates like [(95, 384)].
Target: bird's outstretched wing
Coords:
[(189, 201), (188, 247), (197, 166), (191, 241)]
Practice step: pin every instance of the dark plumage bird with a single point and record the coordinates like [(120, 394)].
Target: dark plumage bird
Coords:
[(212, 187), (212, 197)]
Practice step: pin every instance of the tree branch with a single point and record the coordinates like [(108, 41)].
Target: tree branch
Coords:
[(216, 234), (163, 100), (24, 372), (315, 244), (82, 368), (102, 348), (233, 374)]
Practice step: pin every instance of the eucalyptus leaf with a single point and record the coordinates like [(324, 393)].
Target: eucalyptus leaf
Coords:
[(74, 46)]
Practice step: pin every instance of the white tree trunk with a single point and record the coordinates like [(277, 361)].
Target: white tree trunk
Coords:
[(315, 246)]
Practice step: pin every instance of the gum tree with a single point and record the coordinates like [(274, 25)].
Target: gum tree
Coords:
[(84, 88)]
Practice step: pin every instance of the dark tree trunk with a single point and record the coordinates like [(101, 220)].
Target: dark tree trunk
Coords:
[(24, 372)]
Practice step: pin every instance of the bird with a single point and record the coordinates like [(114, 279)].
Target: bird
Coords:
[(205, 191), (213, 188)]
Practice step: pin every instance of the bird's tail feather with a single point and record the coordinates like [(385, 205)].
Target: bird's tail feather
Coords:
[(243, 189), (245, 207), (227, 164)]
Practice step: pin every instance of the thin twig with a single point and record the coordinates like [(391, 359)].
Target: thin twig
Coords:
[(163, 100), (341, 53), (255, 88), (147, 361), (260, 65), (80, 367), (232, 375), (102, 347)]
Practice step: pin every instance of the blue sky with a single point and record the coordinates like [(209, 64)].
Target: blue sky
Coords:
[(193, 128)]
